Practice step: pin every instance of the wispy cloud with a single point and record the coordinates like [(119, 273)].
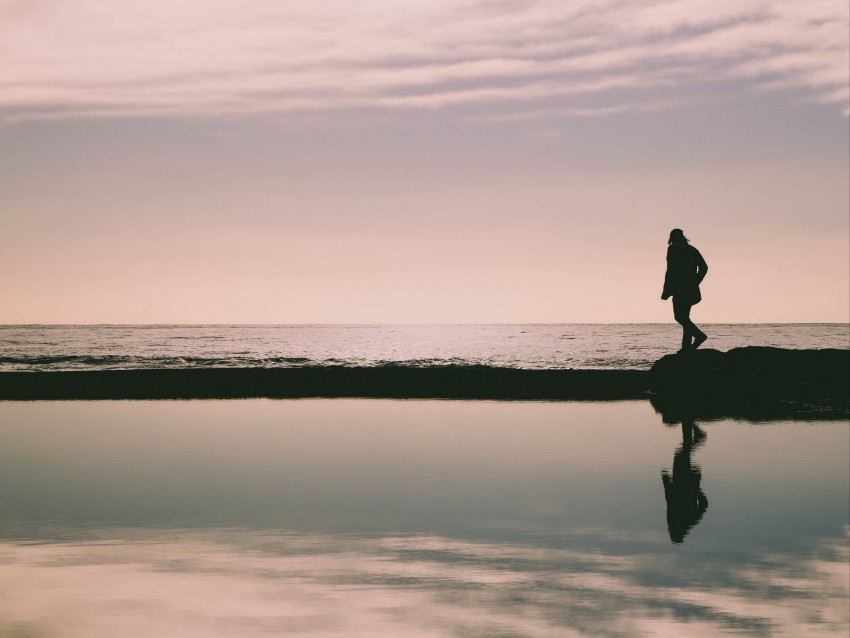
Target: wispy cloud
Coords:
[(62, 58)]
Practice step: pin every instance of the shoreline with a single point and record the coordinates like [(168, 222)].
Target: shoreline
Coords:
[(755, 383)]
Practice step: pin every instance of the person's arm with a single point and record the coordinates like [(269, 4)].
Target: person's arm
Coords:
[(702, 267), (666, 292)]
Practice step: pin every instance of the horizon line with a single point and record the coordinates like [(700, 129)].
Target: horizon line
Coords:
[(435, 323)]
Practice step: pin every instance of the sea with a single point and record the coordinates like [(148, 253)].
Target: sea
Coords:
[(525, 346)]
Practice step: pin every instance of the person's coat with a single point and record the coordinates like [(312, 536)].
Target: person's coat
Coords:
[(685, 271)]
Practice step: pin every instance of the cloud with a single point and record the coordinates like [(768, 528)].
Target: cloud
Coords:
[(63, 58)]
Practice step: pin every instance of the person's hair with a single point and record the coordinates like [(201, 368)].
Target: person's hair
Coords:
[(677, 236)]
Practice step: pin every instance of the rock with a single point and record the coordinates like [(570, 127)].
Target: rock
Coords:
[(753, 381)]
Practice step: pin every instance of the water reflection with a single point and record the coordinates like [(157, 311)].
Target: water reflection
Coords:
[(226, 582), (412, 518), (686, 502)]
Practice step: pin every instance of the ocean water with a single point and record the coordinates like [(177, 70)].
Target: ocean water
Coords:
[(357, 518), (618, 346), (353, 518)]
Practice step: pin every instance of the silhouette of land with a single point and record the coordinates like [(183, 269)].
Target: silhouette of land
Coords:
[(754, 382), (389, 381)]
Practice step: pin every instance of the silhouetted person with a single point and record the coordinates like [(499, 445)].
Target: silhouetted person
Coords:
[(686, 502), (685, 271)]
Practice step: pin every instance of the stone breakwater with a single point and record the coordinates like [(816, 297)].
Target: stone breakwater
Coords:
[(753, 382), (749, 382), (390, 381)]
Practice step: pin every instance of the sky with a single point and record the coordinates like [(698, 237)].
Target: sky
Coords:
[(449, 161)]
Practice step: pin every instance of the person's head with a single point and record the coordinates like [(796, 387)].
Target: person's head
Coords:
[(677, 236)]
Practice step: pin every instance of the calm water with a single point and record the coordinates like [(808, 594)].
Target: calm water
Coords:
[(522, 346), (340, 518)]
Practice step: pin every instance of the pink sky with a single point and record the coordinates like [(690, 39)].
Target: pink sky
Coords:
[(277, 162)]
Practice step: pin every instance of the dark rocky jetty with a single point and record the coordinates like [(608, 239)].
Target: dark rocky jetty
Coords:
[(756, 383), (389, 381), (751, 383)]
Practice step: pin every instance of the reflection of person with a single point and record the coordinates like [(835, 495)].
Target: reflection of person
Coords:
[(685, 271), (686, 502)]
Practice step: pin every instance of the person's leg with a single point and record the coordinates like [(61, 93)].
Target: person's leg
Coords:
[(682, 314), (698, 335), (699, 338), (687, 433)]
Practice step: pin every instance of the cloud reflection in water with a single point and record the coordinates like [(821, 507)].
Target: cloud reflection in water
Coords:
[(228, 582)]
